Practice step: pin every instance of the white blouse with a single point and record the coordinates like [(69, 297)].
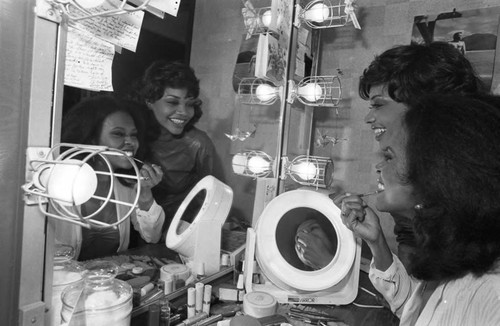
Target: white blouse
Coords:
[(148, 223), (465, 301)]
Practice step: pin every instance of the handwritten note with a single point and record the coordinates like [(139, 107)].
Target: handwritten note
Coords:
[(122, 30), (88, 62), (159, 7)]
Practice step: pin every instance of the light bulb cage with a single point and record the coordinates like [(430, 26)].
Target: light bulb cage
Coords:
[(76, 154), (323, 173), (256, 23), (241, 166), (328, 13), (317, 91), (75, 11), (258, 91)]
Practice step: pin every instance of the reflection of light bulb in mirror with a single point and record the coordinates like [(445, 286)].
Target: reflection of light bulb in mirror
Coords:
[(305, 170), (265, 92), (317, 13), (70, 183), (311, 92), (266, 18), (258, 165), (239, 163)]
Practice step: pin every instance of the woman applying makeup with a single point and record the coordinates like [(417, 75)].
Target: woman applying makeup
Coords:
[(441, 170), (107, 121)]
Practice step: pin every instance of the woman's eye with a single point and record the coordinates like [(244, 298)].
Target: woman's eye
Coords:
[(172, 103), (374, 106), (118, 134), (193, 102), (387, 157)]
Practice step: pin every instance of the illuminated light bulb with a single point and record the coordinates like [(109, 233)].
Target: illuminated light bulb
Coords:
[(311, 92), (305, 170), (239, 163), (258, 165), (70, 183), (318, 13), (266, 18), (265, 92)]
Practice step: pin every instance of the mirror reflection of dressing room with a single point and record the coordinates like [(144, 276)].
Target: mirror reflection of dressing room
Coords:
[(175, 162)]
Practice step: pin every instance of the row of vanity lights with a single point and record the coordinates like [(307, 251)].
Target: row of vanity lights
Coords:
[(314, 91)]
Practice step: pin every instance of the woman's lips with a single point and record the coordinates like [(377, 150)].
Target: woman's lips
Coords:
[(378, 131)]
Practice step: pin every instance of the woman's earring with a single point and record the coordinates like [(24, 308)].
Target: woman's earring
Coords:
[(419, 207)]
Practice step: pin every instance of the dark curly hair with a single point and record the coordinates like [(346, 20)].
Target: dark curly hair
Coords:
[(453, 155), (163, 74), (410, 71), (82, 124)]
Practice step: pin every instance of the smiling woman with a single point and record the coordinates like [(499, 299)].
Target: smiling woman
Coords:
[(398, 77), (441, 170), (170, 93), (107, 121)]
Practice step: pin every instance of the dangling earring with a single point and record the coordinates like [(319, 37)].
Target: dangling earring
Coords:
[(419, 207)]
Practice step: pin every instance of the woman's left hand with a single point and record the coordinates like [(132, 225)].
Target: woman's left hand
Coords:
[(359, 218), (316, 248), (151, 175)]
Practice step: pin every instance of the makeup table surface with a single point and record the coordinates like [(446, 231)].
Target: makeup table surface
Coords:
[(361, 312)]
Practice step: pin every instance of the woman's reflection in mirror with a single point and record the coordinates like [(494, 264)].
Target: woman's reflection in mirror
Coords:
[(107, 121), (169, 93)]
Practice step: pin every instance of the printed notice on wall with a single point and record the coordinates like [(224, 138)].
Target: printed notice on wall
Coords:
[(121, 30), (88, 62)]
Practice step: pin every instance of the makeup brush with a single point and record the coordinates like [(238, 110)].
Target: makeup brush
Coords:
[(370, 193)]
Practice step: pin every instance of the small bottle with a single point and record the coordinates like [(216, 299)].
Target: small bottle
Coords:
[(241, 288), (191, 302), (164, 312), (199, 290), (154, 315), (200, 271), (225, 260), (238, 269)]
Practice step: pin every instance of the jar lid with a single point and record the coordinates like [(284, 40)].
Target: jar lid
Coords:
[(259, 304), (137, 270), (180, 271), (127, 266)]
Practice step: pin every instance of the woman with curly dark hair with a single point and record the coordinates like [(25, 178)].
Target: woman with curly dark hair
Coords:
[(170, 91), (401, 75), (104, 120), (441, 170)]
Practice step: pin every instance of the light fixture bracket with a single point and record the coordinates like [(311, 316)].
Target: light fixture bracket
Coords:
[(46, 10), (33, 157)]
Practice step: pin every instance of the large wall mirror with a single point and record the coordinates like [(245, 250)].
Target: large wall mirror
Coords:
[(221, 52)]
